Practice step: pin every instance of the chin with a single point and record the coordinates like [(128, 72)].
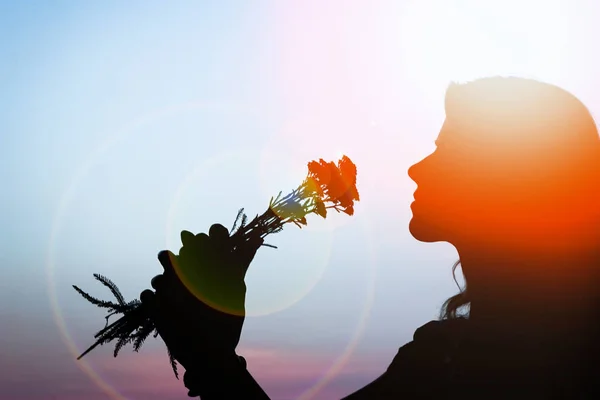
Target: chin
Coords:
[(425, 231)]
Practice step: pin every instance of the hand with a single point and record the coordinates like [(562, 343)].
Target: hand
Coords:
[(198, 304)]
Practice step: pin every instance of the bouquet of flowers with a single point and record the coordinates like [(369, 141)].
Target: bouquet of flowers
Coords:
[(327, 186)]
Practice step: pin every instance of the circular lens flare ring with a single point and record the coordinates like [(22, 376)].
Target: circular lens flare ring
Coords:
[(343, 358), (66, 199), (275, 305)]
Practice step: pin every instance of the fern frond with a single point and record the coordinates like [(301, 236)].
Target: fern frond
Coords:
[(133, 314), (121, 328), (95, 301), (134, 302), (112, 327), (113, 288), (237, 218), (142, 333), (105, 335), (173, 363), (121, 343), (92, 347)]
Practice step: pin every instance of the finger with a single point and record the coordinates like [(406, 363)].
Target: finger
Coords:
[(191, 382), (150, 304), (163, 304), (218, 232), (202, 240), (147, 296), (158, 282), (219, 239), (169, 281), (194, 247), (187, 238), (148, 299), (166, 259)]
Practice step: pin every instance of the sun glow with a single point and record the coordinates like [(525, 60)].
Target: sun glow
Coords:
[(443, 41)]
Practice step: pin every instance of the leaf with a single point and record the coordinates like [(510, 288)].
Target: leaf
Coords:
[(173, 363), (237, 218), (113, 288), (122, 342), (121, 328), (277, 198), (115, 325), (143, 332), (134, 302), (320, 208), (95, 301)]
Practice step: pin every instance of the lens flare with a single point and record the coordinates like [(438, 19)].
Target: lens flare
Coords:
[(343, 358), (294, 280), (65, 201)]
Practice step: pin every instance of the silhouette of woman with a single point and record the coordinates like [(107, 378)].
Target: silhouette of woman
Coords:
[(514, 185)]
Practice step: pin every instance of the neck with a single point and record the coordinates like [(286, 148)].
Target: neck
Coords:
[(529, 291)]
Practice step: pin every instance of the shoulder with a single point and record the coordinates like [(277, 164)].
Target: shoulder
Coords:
[(430, 345), (448, 329), (419, 369)]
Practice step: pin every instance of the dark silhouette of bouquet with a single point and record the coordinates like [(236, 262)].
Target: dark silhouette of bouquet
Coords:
[(327, 186)]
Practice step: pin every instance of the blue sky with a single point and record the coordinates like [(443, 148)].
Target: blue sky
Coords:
[(124, 123)]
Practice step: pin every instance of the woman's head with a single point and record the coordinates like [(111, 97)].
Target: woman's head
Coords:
[(515, 178), (517, 162)]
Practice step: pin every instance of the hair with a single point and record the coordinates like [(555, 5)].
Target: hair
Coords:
[(521, 106), (450, 308)]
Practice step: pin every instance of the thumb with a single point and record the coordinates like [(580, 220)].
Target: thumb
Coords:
[(167, 259)]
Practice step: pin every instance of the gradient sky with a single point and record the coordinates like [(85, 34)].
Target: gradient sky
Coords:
[(123, 123)]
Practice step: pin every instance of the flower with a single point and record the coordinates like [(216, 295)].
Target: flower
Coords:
[(336, 183), (348, 170), (319, 171)]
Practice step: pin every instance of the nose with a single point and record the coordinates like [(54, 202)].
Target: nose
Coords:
[(414, 171)]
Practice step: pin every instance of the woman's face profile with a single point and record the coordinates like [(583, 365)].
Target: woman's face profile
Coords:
[(463, 187), (441, 199), (516, 164)]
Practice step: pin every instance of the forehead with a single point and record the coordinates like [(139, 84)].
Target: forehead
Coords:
[(444, 136), (484, 132), (455, 133)]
